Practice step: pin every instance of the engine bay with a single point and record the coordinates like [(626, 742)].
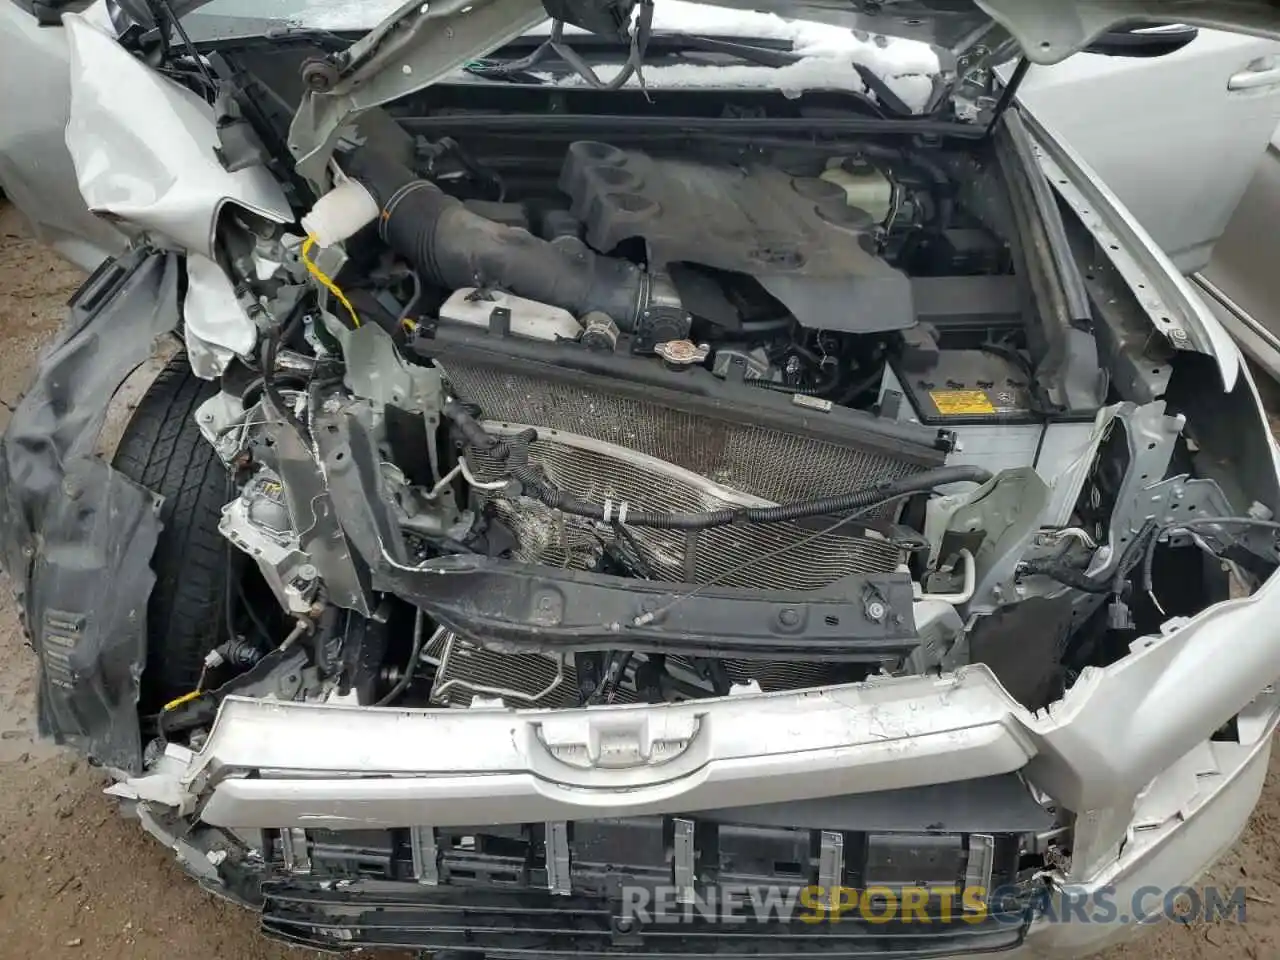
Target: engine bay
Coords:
[(599, 422), (561, 487)]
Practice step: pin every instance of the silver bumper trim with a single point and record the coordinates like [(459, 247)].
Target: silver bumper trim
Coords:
[(343, 766)]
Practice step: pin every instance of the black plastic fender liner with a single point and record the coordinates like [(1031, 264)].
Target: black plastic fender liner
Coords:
[(76, 536)]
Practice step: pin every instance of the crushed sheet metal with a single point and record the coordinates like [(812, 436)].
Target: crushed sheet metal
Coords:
[(76, 536), (1116, 729), (215, 325), (143, 147)]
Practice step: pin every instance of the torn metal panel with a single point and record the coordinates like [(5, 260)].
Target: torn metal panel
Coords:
[(215, 325), (76, 536), (143, 146)]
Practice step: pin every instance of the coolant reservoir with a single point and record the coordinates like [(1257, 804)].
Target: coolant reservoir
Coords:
[(864, 187), (528, 318)]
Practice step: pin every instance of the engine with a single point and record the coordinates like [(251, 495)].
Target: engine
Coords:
[(648, 429)]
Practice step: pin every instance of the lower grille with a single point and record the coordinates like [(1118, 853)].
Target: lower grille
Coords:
[(558, 889), (496, 926)]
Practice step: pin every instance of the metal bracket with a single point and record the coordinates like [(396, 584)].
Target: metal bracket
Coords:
[(423, 849), (682, 859), (1008, 511), (215, 417), (412, 49), (977, 872), (512, 606), (377, 371), (831, 863), (1149, 438), (559, 880), (293, 848)]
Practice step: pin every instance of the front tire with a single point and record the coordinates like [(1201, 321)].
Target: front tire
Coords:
[(163, 450)]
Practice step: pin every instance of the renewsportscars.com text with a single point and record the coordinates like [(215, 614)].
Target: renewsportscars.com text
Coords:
[(743, 903)]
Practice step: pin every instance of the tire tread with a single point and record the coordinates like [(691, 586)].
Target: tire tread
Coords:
[(163, 450)]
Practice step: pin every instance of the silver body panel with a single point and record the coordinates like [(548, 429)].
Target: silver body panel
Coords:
[(36, 172), (1177, 138), (143, 147), (1240, 282), (216, 327)]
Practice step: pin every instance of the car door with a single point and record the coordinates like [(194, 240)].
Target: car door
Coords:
[(1176, 137), (36, 173)]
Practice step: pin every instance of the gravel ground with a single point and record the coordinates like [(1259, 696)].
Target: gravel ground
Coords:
[(77, 880)]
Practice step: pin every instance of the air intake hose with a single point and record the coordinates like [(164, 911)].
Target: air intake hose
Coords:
[(453, 247)]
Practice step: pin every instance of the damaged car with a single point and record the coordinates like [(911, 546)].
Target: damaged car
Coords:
[(606, 457)]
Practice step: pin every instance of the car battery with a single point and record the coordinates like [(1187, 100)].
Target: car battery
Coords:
[(953, 387)]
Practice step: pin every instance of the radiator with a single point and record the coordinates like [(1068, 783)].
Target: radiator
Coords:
[(604, 447)]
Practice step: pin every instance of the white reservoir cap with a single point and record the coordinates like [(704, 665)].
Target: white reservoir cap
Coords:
[(340, 213)]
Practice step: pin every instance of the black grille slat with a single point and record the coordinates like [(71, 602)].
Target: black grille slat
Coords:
[(504, 925)]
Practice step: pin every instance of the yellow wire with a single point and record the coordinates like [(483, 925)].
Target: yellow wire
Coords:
[(181, 700), (320, 275)]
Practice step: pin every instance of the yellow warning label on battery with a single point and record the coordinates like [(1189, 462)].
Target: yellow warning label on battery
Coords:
[(960, 403)]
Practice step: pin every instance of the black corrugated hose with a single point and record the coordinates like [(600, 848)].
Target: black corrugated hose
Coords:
[(537, 487)]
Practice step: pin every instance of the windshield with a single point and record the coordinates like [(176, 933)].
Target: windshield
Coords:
[(826, 57)]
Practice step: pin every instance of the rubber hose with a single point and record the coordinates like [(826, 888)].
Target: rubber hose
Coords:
[(945, 211), (799, 510), (454, 247), (478, 437), (815, 391), (1066, 576)]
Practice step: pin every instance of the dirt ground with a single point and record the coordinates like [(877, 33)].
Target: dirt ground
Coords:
[(76, 880)]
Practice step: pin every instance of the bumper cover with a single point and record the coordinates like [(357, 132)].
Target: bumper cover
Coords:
[(523, 923), (271, 764)]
